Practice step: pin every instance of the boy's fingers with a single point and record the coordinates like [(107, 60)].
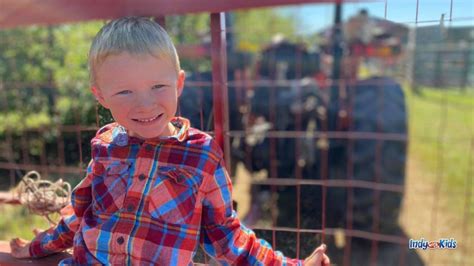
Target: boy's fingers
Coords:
[(323, 247), (18, 248), (320, 249), (326, 260), (318, 257), (14, 242), (36, 231), (14, 247), (19, 241)]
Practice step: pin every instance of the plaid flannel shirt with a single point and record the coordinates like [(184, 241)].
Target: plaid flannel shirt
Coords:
[(153, 202)]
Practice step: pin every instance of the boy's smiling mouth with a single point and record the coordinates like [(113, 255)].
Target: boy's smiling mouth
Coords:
[(147, 120)]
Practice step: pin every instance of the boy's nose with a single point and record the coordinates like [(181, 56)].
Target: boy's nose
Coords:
[(145, 101)]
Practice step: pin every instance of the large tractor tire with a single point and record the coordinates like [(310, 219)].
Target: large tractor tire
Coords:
[(378, 107)]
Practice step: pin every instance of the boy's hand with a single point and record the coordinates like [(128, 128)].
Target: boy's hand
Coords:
[(20, 248), (318, 257)]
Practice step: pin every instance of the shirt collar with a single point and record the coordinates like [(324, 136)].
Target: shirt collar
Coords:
[(119, 135)]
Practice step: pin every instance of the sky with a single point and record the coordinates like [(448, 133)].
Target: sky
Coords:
[(314, 17)]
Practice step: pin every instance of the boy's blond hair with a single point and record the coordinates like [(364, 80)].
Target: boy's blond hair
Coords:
[(134, 35)]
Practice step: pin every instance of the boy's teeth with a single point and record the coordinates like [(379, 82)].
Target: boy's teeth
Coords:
[(147, 120)]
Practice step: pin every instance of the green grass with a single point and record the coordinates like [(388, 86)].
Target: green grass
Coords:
[(452, 96), (441, 138), (17, 221)]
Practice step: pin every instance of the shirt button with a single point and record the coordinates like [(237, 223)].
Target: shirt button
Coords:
[(148, 147), (141, 177), (120, 240), (130, 208)]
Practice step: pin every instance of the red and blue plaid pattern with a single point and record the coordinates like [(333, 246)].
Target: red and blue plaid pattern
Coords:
[(154, 202)]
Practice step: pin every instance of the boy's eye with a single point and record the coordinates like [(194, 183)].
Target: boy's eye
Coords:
[(157, 87), (124, 92)]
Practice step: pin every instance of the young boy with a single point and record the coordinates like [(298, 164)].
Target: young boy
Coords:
[(155, 187)]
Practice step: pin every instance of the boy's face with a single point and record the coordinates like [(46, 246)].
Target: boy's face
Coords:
[(141, 92)]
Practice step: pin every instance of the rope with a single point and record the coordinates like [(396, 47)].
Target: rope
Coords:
[(43, 197)]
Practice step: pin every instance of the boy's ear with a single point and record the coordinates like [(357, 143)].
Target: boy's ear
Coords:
[(180, 84), (98, 95)]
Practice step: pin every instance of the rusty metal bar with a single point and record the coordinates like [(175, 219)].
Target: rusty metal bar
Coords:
[(219, 83), (14, 13), (25, 151), (378, 172), (350, 190), (77, 117), (201, 112), (61, 154), (329, 135), (298, 168), (324, 172), (350, 202), (272, 151), (10, 157), (43, 157), (42, 168), (331, 183), (352, 233), (161, 20)]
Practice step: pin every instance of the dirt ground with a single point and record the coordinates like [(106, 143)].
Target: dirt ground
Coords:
[(416, 219)]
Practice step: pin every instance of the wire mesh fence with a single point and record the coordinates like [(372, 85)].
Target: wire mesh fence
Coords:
[(358, 133)]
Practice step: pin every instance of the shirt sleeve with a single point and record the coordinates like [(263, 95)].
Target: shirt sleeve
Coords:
[(60, 237), (224, 237)]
